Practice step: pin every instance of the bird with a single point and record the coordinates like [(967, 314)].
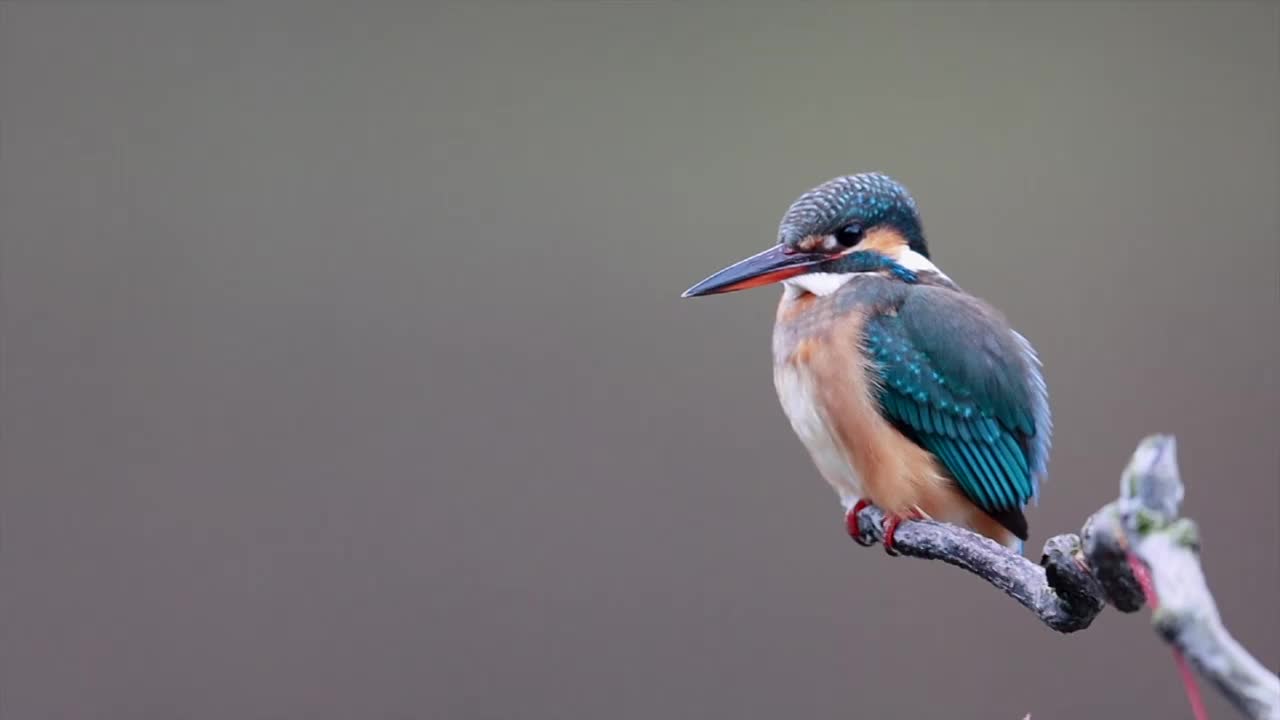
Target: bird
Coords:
[(909, 393)]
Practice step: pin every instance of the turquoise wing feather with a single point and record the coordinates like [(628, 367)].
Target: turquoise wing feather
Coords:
[(963, 385)]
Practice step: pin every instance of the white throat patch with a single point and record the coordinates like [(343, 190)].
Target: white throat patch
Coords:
[(912, 260), (820, 284)]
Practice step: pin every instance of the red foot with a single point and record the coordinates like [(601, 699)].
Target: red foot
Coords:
[(851, 521), (891, 523), (890, 527)]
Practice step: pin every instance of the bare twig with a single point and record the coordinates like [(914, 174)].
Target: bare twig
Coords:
[(1078, 575), (1184, 612)]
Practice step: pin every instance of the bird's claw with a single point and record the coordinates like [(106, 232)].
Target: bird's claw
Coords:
[(891, 523), (851, 524)]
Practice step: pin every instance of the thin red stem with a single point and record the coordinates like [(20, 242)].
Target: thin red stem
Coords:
[(1143, 575), (1189, 681)]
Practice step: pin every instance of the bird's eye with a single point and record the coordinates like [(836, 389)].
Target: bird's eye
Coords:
[(849, 235)]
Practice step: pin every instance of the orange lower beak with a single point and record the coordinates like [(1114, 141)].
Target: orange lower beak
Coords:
[(773, 265)]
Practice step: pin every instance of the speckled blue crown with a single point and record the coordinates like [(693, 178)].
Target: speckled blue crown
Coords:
[(867, 199)]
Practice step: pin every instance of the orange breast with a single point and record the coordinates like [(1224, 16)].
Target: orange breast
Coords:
[(818, 353)]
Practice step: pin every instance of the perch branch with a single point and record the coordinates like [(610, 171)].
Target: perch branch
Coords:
[(1079, 574), (1063, 593)]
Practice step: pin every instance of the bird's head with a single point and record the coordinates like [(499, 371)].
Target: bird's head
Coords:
[(855, 223)]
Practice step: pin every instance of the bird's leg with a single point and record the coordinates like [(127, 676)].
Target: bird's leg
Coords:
[(893, 520), (851, 522)]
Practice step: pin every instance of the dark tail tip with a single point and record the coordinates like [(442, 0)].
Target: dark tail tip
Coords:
[(1013, 521)]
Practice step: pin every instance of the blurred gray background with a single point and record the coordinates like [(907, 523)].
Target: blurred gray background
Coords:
[(345, 373)]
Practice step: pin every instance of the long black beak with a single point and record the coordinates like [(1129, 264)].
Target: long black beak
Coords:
[(773, 265)]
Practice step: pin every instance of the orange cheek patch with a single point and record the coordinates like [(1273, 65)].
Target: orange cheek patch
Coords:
[(815, 243), (885, 241)]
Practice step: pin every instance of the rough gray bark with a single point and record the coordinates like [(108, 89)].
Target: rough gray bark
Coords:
[(1079, 574), (1184, 612)]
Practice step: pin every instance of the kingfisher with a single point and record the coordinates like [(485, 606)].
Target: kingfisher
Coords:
[(909, 393)]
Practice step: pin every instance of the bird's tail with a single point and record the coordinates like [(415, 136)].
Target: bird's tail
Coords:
[(998, 529)]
